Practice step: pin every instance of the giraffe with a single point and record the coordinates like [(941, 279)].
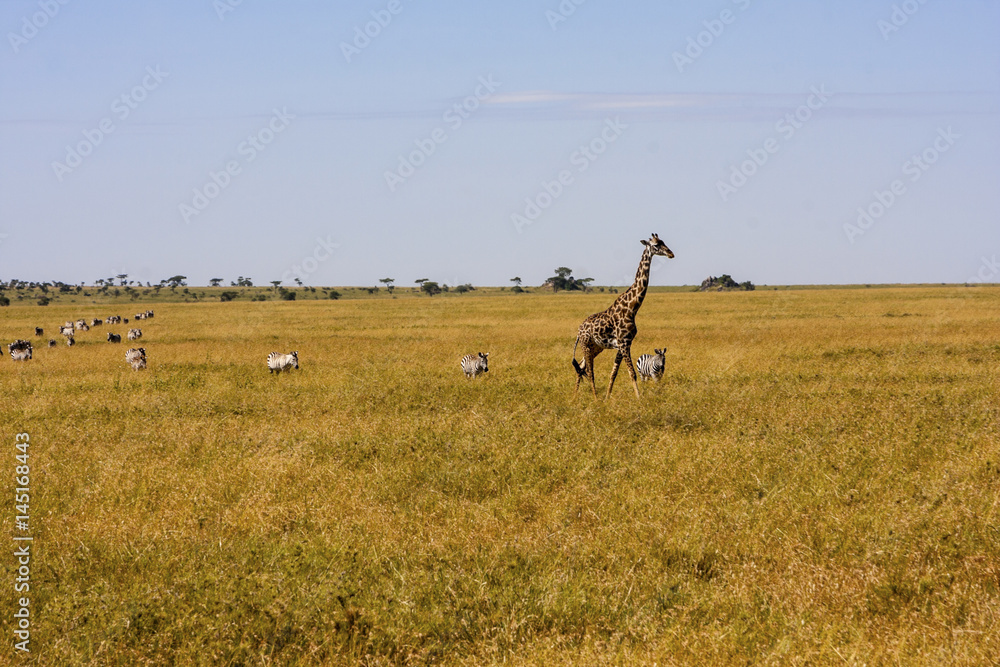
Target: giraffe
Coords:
[(615, 327)]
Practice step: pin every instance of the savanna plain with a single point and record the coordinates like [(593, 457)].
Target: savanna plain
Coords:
[(815, 480)]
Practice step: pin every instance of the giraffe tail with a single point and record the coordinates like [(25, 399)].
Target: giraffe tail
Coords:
[(576, 365)]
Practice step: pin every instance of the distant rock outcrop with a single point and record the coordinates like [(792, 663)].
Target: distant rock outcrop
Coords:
[(724, 283)]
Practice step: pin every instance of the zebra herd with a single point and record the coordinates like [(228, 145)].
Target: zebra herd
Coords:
[(649, 366), (21, 350)]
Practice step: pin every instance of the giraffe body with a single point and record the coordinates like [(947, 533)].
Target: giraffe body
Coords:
[(614, 328)]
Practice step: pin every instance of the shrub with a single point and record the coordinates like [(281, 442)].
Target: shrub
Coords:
[(228, 296)]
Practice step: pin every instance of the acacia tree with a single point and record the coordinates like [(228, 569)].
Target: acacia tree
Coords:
[(388, 282), (215, 282)]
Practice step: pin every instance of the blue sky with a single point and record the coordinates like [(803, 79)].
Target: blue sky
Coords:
[(471, 142)]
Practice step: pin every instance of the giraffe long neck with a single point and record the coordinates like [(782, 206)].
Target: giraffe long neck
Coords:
[(633, 296)]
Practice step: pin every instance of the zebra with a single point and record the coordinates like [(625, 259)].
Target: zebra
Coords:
[(81, 325), (650, 366), (70, 340), (66, 331), (277, 362), (475, 364), (52, 343), (39, 331), (114, 319), (114, 338), (134, 334), (149, 314), (96, 322), (140, 316), (136, 358), (20, 350)]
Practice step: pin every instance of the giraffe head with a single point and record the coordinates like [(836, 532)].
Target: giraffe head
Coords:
[(658, 247)]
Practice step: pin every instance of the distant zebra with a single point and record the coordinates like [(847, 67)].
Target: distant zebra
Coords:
[(140, 316), (475, 364), (96, 322), (52, 343), (277, 362), (114, 338), (149, 314), (70, 341), (20, 350), (136, 358), (114, 319), (135, 334), (39, 331), (66, 331), (81, 325), (650, 366)]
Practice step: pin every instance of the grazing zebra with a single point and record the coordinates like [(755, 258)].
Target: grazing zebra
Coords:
[(114, 319), (39, 331), (96, 322), (136, 358), (114, 338), (650, 366), (134, 334), (70, 341), (81, 325), (277, 362), (140, 316), (66, 331), (149, 314), (475, 364), (52, 343), (20, 350)]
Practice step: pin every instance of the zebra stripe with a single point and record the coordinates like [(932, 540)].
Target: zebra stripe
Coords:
[(475, 364), (20, 350), (650, 366), (136, 358), (135, 334), (277, 362)]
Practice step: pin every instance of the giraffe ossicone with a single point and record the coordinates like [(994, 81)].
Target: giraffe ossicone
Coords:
[(614, 328)]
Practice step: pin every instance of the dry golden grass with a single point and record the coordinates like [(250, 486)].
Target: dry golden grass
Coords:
[(815, 481)]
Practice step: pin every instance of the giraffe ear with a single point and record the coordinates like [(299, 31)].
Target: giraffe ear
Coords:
[(644, 242)]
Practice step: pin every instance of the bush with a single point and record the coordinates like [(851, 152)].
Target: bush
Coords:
[(334, 294), (287, 295), (4, 301), (43, 301), (228, 296)]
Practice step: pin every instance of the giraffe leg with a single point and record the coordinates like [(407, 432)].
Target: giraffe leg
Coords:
[(614, 371), (590, 354), (627, 354)]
